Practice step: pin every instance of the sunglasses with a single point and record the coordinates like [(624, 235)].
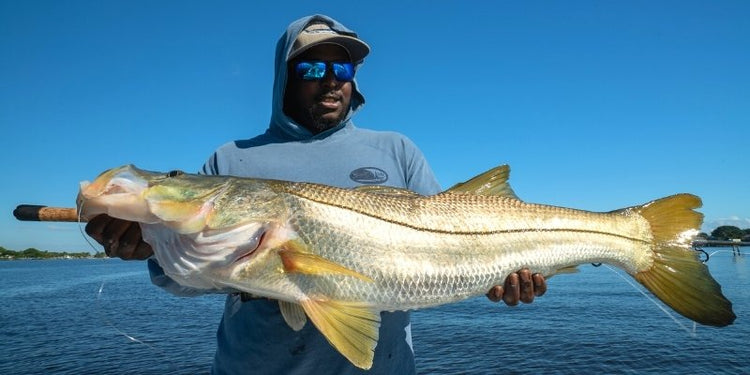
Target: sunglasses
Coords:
[(316, 70)]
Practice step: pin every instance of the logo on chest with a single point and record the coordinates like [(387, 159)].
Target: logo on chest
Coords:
[(369, 175)]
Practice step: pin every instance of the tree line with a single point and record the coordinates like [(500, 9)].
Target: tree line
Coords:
[(727, 233), (32, 253)]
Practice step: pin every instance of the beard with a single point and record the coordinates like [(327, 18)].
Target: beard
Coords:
[(311, 111), (322, 121)]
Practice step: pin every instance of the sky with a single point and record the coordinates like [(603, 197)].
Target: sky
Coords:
[(596, 105)]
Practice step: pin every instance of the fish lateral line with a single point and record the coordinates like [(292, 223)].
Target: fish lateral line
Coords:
[(468, 233)]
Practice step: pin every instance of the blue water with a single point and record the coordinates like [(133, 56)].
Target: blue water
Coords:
[(54, 320)]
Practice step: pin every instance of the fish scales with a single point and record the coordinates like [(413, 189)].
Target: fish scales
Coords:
[(418, 260)]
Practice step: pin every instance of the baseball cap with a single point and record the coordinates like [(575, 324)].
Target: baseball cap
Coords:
[(319, 33)]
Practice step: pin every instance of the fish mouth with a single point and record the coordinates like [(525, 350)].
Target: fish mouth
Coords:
[(117, 192), (123, 180)]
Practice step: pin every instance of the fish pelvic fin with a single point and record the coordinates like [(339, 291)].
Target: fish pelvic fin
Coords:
[(351, 327), (677, 276), (492, 182), (293, 315), (295, 258)]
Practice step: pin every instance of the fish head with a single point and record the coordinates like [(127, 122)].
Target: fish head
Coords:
[(202, 228), (184, 202)]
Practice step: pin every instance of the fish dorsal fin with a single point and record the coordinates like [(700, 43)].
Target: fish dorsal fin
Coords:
[(492, 182), (295, 259), (293, 314), (386, 190), (351, 327)]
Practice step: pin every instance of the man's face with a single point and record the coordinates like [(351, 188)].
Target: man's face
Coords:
[(322, 104)]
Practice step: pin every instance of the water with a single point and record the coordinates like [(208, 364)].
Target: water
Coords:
[(53, 320)]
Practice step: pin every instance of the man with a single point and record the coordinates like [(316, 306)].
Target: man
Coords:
[(311, 138)]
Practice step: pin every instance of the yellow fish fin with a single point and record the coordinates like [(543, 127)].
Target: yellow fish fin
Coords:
[(677, 276), (492, 182), (171, 206), (183, 217), (293, 314), (562, 271), (351, 327), (296, 259)]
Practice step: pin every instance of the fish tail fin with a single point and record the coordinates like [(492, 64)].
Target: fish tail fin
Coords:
[(677, 276)]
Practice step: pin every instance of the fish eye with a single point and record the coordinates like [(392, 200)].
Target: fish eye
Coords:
[(175, 173)]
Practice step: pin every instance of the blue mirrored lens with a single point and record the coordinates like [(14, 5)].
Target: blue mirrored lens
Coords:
[(310, 71), (343, 71), (316, 70)]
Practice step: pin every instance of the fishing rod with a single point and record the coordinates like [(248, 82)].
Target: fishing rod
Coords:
[(31, 212)]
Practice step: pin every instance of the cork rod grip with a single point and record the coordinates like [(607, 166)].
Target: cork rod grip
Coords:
[(30, 212)]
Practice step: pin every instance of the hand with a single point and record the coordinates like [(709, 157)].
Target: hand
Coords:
[(120, 238), (520, 286)]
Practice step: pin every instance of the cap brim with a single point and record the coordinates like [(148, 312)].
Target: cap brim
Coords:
[(357, 49)]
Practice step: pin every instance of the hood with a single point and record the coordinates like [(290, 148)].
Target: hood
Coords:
[(283, 126)]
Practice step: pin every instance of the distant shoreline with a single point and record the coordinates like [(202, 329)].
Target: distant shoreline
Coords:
[(34, 254)]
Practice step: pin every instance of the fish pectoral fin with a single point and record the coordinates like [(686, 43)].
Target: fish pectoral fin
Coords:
[(295, 259), (183, 217), (351, 327), (293, 314), (492, 182)]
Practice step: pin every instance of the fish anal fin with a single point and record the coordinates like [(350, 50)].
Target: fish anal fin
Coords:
[(563, 271), (295, 259), (294, 314), (351, 327), (492, 182)]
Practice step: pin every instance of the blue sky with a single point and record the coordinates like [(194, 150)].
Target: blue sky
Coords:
[(595, 104)]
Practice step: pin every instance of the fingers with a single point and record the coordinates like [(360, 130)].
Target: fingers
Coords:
[(95, 227), (521, 286), (526, 286), (512, 290), (130, 244), (120, 238), (495, 294), (540, 285)]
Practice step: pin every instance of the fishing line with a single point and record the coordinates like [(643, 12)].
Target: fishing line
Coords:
[(100, 311), (83, 232), (172, 366), (725, 251), (656, 303)]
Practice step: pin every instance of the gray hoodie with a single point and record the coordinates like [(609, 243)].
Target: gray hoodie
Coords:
[(253, 337)]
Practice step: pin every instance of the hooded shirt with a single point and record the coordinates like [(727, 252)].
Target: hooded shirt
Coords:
[(253, 337)]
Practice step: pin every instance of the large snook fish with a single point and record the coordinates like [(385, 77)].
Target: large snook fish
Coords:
[(341, 256)]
